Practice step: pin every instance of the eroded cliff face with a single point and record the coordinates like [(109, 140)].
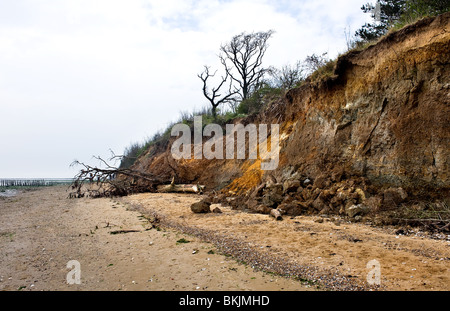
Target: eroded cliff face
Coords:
[(377, 131), (386, 113)]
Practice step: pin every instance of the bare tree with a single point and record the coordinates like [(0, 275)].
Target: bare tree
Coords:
[(242, 59), (213, 95), (95, 181)]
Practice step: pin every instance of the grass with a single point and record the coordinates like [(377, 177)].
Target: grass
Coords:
[(324, 72)]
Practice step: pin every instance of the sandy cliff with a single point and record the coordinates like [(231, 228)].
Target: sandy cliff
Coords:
[(376, 133)]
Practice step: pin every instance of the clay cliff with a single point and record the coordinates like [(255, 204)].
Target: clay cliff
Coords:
[(372, 136)]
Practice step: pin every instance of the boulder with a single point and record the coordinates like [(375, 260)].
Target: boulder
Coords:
[(295, 208), (291, 186), (201, 207), (217, 210), (355, 210)]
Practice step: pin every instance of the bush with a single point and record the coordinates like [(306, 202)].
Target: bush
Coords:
[(324, 72), (258, 100)]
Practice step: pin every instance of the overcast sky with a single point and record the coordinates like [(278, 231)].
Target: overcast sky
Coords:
[(79, 77)]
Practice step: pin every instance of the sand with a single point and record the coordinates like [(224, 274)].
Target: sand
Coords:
[(42, 230)]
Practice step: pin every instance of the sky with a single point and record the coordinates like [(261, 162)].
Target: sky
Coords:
[(81, 77)]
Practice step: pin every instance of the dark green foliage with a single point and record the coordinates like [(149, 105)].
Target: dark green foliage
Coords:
[(415, 9), (389, 11), (397, 13), (259, 99)]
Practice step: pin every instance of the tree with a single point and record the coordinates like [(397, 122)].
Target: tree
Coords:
[(213, 95), (384, 13), (415, 9), (242, 59), (387, 13)]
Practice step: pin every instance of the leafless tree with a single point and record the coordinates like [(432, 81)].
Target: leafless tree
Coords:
[(213, 95), (242, 59), (108, 180)]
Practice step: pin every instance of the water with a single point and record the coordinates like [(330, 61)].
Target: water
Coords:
[(8, 192), (33, 182), (10, 187)]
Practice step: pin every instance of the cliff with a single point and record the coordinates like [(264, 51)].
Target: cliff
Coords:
[(374, 135)]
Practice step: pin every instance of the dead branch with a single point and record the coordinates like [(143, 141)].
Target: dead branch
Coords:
[(93, 181)]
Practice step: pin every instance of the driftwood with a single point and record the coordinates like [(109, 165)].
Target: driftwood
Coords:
[(275, 213), (183, 188)]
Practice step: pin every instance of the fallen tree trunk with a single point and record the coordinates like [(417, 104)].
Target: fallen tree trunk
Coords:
[(183, 188)]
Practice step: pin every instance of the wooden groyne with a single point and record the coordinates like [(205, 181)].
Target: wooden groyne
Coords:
[(33, 182)]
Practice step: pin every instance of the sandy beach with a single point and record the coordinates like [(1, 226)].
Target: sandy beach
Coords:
[(154, 242), (42, 230)]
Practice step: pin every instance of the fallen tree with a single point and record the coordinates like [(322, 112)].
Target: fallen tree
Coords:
[(107, 181)]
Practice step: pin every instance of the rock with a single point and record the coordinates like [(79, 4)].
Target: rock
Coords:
[(361, 194), (324, 211), (217, 210), (295, 208), (354, 210), (321, 181), (306, 194), (262, 209), (201, 207), (373, 203), (306, 182), (337, 174), (252, 203), (272, 199), (318, 220), (325, 195), (394, 196), (290, 186), (318, 204), (274, 188)]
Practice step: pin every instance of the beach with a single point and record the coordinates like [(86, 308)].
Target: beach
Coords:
[(153, 241), (117, 249)]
